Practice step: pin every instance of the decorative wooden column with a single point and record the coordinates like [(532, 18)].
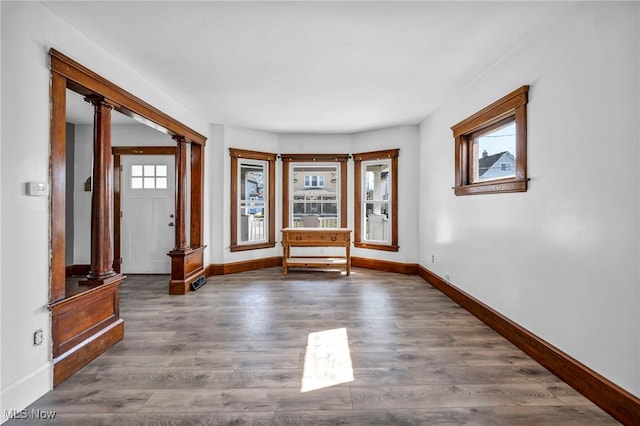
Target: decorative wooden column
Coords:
[(186, 261), (101, 271), (181, 193)]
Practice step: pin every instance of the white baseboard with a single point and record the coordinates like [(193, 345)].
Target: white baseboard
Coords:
[(19, 394)]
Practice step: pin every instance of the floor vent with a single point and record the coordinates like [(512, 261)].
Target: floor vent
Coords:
[(198, 283)]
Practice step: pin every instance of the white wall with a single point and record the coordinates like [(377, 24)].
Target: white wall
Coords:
[(1, 204), (28, 31), (214, 174), (240, 138), (561, 259), (406, 138), (82, 199), (295, 143)]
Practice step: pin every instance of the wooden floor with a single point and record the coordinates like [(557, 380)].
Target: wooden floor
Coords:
[(233, 353)]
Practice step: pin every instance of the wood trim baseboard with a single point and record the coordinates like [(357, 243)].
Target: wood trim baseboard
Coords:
[(385, 265), (243, 266), (361, 262), (73, 360), (619, 403)]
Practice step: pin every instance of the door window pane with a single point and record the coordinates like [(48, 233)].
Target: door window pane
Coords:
[(149, 176), (161, 170), (161, 183)]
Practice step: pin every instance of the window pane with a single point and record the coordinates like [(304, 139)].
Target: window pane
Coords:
[(136, 170), (494, 153), (314, 195), (376, 191), (251, 182), (161, 170), (136, 182), (377, 221), (252, 226), (376, 180), (149, 170), (252, 191), (149, 183), (252, 208), (161, 183)]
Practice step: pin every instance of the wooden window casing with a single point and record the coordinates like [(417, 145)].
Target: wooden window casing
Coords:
[(392, 155), (236, 156), (340, 159), (511, 107)]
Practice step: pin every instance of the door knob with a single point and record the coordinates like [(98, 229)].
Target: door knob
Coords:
[(170, 223)]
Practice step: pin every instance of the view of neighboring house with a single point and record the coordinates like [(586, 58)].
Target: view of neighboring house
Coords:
[(496, 166), (314, 196), (252, 190), (252, 204)]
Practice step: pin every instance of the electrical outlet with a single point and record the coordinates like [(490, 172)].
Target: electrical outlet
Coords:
[(38, 337), (433, 258)]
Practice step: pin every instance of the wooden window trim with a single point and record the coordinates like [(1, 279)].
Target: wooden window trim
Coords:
[(512, 106), (341, 159), (393, 155), (236, 155)]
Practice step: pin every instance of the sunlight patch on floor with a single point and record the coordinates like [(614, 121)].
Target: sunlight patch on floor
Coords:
[(327, 361)]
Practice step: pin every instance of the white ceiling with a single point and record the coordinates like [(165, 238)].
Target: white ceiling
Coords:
[(316, 67)]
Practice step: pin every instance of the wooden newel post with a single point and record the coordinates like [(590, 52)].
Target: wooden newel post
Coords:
[(101, 197), (186, 260)]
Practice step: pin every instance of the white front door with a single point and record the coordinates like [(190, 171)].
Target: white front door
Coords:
[(148, 213)]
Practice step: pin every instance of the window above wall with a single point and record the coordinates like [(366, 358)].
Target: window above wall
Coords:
[(491, 147)]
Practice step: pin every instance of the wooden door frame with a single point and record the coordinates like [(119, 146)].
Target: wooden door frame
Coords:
[(118, 152), (68, 74), (79, 335)]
